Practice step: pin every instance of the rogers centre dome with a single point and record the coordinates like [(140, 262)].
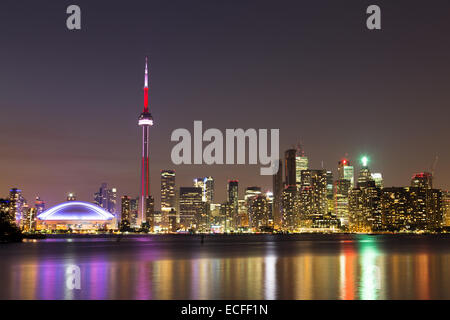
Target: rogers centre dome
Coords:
[(75, 215)]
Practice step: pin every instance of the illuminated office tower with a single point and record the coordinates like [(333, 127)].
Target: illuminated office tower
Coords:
[(378, 178), (301, 163), (150, 213), (209, 189), (422, 180), (365, 177), (145, 121), (191, 207), (207, 185), (134, 212), (258, 213), (125, 213), (200, 183), (28, 222), (290, 167), (232, 198), (330, 192), (250, 195), (345, 171), (39, 204), (313, 196), (226, 216), (107, 199), (342, 189), (290, 209), (16, 202), (243, 216), (446, 207), (168, 199), (71, 196), (365, 211), (277, 184), (270, 198)]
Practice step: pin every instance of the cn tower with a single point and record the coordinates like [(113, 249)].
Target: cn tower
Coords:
[(145, 121)]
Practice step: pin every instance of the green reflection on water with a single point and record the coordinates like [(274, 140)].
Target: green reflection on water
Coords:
[(370, 271)]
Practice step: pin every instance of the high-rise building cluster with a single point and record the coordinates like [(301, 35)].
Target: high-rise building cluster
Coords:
[(16, 210)]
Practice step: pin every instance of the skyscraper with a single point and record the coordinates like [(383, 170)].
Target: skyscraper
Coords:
[(258, 212), (125, 219), (301, 163), (209, 189), (145, 121), (106, 198), (378, 178), (232, 198), (39, 204), (341, 204), (290, 167), (345, 171), (191, 207), (207, 185), (277, 181), (313, 196), (16, 203), (167, 190), (365, 176)]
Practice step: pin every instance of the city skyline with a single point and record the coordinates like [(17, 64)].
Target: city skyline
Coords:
[(80, 132)]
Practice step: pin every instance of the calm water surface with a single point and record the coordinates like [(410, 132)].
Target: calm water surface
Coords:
[(230, 267)]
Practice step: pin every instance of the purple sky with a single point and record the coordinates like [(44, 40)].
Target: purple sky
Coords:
[(70, 100)]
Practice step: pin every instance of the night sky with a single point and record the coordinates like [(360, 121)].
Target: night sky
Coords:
[(70, 100)]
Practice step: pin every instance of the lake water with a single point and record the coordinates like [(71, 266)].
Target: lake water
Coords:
[(229, 267)]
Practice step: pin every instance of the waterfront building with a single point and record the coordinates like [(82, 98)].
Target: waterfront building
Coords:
[(313, 196), (365, 208), (134, 212), (412, 209), (125, 213), (76, 216), (446, 207), (16, 203), (258, 213), (290, 209), (191, 207), (277, 182), (330, 193), (168, 195), (150, 213), (232, 199), (342, 189)]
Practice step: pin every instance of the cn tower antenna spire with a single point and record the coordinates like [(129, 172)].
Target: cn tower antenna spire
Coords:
[(146, 87)]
